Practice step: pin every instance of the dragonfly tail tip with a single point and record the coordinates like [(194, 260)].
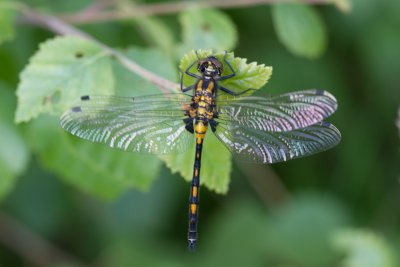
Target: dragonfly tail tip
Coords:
[(192, 245)]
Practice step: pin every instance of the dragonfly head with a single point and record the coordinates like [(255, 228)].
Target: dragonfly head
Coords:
[(210, 67)]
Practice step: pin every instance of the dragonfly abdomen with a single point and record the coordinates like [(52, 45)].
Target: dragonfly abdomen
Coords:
[(203, 104), (195, 187)]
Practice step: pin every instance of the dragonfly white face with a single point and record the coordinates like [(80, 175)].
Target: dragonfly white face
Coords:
[(210, 67)]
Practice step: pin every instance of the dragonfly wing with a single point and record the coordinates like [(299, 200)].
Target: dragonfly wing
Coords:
[(151, 124), (281, 113), (257, 146)]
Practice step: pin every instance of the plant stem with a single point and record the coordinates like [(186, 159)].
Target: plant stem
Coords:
[(169, 8), (60, 27)]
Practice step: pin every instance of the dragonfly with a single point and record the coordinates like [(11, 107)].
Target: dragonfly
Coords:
[(253, 128)]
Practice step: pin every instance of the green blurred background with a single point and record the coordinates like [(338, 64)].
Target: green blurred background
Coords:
[(337, 208)]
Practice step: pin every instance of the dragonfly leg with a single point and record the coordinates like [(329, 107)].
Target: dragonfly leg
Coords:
[(230, 67), (191, 74), (185, 89), (226, 90)]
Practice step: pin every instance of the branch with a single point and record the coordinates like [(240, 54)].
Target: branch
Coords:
[(169, 8), (60, 27), (31, 246)]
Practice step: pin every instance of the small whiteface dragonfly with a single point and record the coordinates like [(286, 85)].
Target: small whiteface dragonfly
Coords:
[(255, 129)]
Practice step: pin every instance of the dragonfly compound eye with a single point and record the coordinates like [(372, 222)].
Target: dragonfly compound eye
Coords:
[(217, 65), (202, 66)]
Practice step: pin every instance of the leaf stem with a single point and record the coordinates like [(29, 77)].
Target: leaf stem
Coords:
[(60, 27), (169, 8)]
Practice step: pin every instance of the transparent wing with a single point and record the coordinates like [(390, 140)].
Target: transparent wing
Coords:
[(277, 114), (150, 124), (257, 146)]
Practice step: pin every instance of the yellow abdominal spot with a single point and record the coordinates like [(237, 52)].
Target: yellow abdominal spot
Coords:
[(193, 208), (199, 138), (200, 128), (194, 191)]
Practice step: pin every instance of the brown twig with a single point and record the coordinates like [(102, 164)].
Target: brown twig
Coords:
[(60, 27), (31, 246), (170, 8)]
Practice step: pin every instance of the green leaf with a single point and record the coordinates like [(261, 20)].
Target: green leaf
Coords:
[(364, 248), (7, 16), (14, 155), (248, 75), (93, 168), (63, 68), (206, 29), (300, 29)]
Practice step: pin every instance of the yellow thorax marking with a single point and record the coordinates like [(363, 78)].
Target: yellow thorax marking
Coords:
[(210, 87), (199, 138)]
